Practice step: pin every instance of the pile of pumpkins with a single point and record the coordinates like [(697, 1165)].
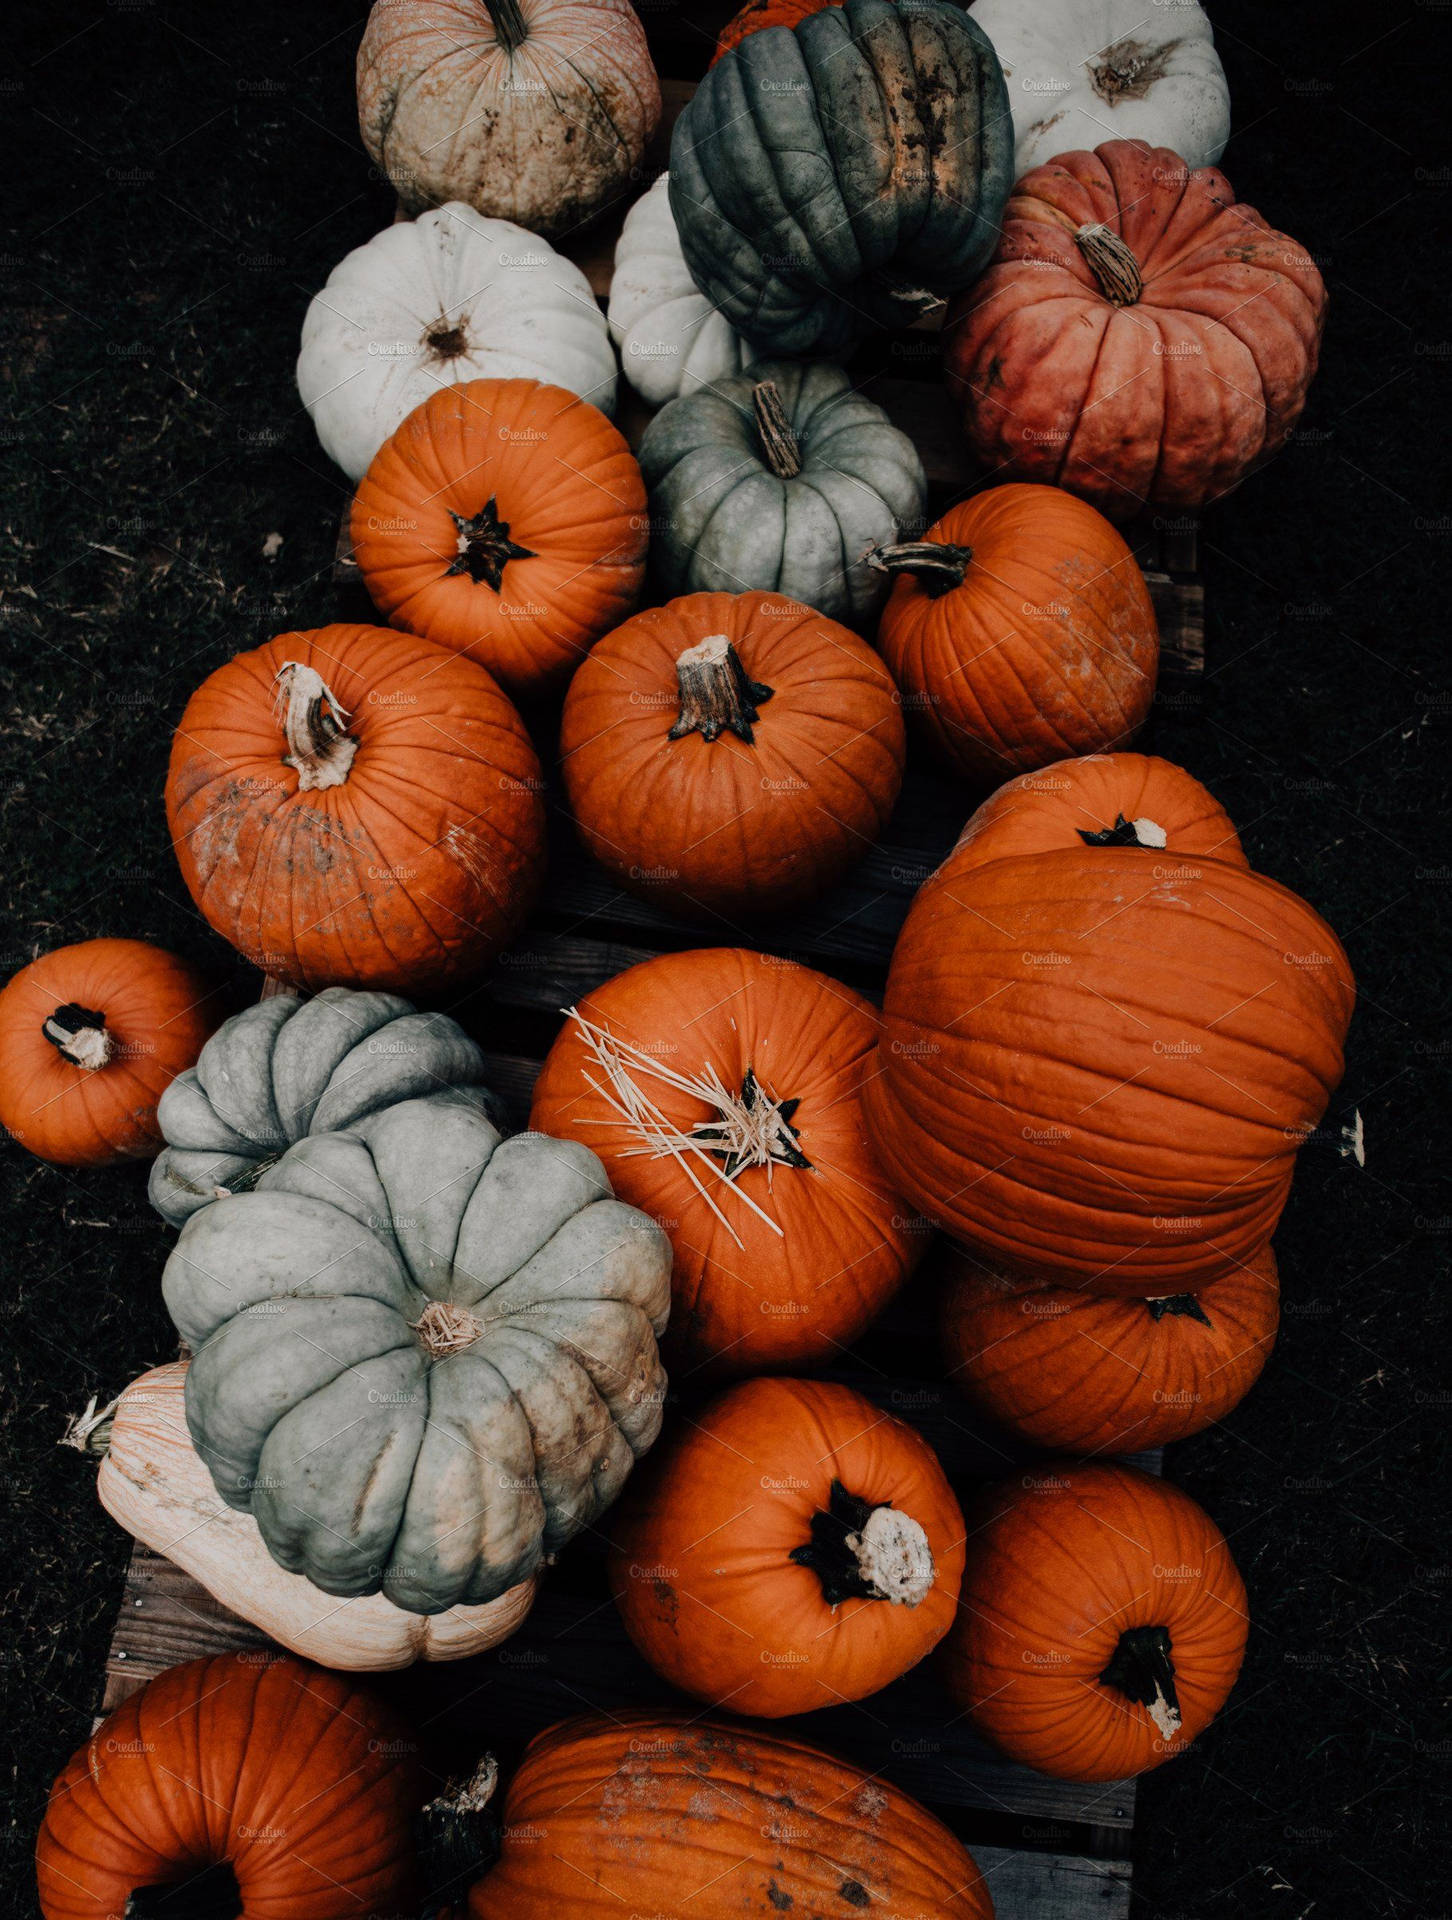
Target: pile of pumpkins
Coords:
[(423, 1353)]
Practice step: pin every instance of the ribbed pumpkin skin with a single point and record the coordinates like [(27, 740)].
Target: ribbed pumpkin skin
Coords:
[(833, 177), (775, 1301), (1061, 1562), (1053, 809), (1049, 646), (701, 1566), (1169, 401), (660, 1813), (726, 826), (757, 14), (296, 1776), (1096, 1066), (412, 874), (158, 1014), (1085, 1373), (565, 485)]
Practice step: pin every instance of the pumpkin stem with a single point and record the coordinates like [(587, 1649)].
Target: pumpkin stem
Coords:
[(446, 339), (456, 1839), (716, 694), (1179, 1304), (485, 548), (1125, 833), (80, 1035), (1127, 70), (314, 724), (1112, 263), (862, 1552), (510, 29), (90, 1432), (443, 1328), (755, 1131), (211, 1894), (938, 566), (1143, 1671), (780, 444)]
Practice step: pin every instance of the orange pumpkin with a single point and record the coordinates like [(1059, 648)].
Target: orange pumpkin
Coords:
[(1140, 337), (91, 1036), (1102, 1625), (507, 520), (289, 1782), (650, 1812), (1020, 630), (721, 1088), (731, 753), (354, 807), (1081, 1373), (1098, 1062), (794, 1548), (757, 14)]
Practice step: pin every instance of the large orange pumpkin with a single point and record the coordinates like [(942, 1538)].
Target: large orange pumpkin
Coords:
[(794, 1548), (648, 1812), (91, 1037), (290, 1783), (354, 807), (1103, 1621), (1098, 1062), (722, 1090), (507, 520), (1082, 1373), (1020, 630), (731, 753), (1140, 336)]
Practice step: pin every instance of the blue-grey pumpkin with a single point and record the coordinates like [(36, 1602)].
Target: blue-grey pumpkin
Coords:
[(845, 173)]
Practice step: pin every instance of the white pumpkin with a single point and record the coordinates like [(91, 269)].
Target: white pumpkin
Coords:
[(671, 339), (432, 302), (1081, 72), (154, 1484)]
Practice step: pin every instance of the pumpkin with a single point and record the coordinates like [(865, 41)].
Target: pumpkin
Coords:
[(651, 1812), (1078, 68), (1097, 1062), (1141, 338), (757, 14), (793, 1548), (425, 1357), (1020, 630), (153, 1483), (90, 1037), (843, 174), (353, 807), (289, 1067), (1085, 1374), (721, 1089), (434, 302), (505, 520), (731, 754), (1103, 799), (670, 337), (293, 1785), (535, 110), (779, 478), (1103, 1622)]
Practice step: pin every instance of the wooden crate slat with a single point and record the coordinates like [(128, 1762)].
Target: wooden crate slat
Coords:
[(1048, 1886)]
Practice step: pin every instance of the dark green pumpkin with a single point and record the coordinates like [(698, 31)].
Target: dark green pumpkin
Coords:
[(775, 479), (845, 173)]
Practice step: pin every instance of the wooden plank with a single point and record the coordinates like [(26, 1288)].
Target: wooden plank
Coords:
[(1049, 1886)]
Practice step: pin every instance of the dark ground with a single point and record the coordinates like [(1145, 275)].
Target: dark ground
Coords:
[(181, 181)]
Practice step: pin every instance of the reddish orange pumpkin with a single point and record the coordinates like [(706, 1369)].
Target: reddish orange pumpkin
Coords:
[(290, 1781), (722, 1090), (354, 807), (757, 14), (1103, 1621), (1140, 336), (1020, 630), (506, 520), (91, 1036), (793, 1548), (731, 753), (1082, 1373)]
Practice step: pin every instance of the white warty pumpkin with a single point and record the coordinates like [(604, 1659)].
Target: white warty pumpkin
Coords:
[(1081, 72), (154, 1484), (432, 302), (671, 339)]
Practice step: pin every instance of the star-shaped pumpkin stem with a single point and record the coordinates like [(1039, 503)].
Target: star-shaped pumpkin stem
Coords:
[(485, 547)]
